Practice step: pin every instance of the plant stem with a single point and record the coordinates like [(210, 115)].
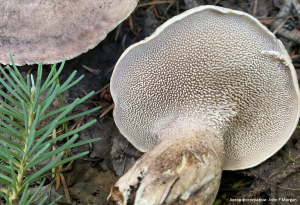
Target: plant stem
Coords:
[(21, 171)]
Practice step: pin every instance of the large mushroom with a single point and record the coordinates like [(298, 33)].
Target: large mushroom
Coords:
[(212, 89), (51, 31)]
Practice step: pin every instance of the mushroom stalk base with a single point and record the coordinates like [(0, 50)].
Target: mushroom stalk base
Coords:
[(185, 168)]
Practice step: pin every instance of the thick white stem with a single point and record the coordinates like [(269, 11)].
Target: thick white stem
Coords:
[(185, 166)]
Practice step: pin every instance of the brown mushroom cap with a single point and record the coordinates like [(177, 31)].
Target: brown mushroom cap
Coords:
[(50, 31), (219, 66)]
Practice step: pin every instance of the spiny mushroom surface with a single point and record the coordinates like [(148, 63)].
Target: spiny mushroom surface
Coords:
[(50, 31), (211, 89)]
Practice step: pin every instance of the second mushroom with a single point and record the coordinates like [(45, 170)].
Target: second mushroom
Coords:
[(212, 89)]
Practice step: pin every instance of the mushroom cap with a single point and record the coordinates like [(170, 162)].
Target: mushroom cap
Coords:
[(218, 66), (50, 31)]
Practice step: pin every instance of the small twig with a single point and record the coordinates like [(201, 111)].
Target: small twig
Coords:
[(268, 183), (125, 148), (118, 32), (74, 126), (111, 69), (96, 93), (130, 22), (124, 164), (65, 188), (295, 37), (165, 12), (57, 180), (254, 8), (284, 12), (155, 11), (297, 7), (267, 21), (154, 3), (68, 167), (280, 26), (136, 36), (107, 110), (53, 148), (127, 155), (94, 71), (123, 42), (273, 18)]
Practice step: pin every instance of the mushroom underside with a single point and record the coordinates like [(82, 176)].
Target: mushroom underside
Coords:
[(211, 89)]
